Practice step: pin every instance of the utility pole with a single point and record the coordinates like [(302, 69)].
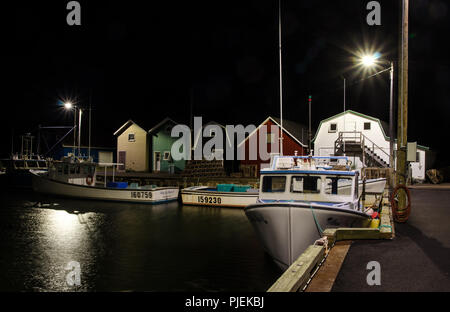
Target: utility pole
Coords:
[(309, 131), (402, 118)]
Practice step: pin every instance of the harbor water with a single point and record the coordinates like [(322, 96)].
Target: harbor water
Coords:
[(127, 247)]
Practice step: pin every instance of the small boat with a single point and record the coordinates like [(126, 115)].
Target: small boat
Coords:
[(298, 200), (17, 170), (75, 178), (224, 195)]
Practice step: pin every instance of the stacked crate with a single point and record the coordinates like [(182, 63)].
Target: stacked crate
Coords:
[(204, 168)]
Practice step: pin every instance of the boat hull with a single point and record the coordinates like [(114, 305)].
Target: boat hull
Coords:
[(203, 196), (45, 185), (287, 229)]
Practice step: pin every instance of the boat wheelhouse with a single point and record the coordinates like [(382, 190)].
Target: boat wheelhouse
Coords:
[(300, 197)]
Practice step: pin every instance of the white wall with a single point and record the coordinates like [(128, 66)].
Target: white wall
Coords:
[(324, 143)]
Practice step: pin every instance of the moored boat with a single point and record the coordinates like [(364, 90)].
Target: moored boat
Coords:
[(298, 200), (224, 195), (72, 178)]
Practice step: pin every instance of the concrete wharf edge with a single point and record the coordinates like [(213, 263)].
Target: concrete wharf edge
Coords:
[(300, 273)]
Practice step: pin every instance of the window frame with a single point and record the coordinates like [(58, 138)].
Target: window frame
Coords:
[(330, 130), (264, 189), (318, 191), (134, 137)]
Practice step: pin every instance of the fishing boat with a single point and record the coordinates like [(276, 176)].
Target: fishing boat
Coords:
[(17, 170), (72, 177), (298, 199), (224, 195)]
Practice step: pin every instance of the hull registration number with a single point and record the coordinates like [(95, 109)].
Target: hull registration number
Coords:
[(209, 200), (141, 194)]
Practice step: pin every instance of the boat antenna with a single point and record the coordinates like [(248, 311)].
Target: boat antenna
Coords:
[(90, 109), (281, 80)]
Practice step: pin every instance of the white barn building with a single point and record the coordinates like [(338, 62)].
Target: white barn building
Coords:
[(361, 138)]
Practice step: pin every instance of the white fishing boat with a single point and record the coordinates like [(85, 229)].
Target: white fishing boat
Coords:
[(73, 178), (298, 199), (224, 195)]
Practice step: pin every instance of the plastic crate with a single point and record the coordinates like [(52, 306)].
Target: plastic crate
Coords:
[(225, 187), (117, 184), (241, 188)]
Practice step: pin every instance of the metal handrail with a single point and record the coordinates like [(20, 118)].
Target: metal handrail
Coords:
[(362, 138)]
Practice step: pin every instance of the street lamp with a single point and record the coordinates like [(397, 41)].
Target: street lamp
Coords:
[(69, 106), (370, 61)]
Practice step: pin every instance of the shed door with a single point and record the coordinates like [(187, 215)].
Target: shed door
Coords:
[(157, 164), (122, 158)]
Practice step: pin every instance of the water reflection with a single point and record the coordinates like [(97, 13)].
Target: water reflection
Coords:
[(123, 246)]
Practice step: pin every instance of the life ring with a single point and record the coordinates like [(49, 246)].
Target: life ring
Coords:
[(400, 215), (89, 180)]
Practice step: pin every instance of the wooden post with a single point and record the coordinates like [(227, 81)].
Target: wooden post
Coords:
[(402, 122)]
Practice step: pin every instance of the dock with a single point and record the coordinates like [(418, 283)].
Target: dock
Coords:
[(166, 179), (413, 256)]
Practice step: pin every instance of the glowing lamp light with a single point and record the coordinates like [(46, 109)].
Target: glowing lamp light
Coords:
[(369, 60), (68, 105)]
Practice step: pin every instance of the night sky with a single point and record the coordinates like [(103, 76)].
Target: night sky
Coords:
[(147, 62)]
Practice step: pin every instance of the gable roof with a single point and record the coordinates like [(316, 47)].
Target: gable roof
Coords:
[(125, 126), (162, 123), (288, 126), (197, 138), (383, 125)]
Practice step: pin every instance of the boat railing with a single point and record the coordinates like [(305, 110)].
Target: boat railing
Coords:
[(291, 162), (106, 166)]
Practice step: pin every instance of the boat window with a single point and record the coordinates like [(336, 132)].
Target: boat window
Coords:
[(31, 164), (338, 186), (274, 184), (305, 184)]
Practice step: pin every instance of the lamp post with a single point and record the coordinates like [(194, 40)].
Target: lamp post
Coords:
[(370, 61), (69, 106)]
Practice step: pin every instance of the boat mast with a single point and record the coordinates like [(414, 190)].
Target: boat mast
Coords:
[(281, 80)]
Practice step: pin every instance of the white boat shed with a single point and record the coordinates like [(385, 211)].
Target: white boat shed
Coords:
[(362, 138)]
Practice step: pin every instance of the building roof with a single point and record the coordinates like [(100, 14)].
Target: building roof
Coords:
[(197, 136), (125, 126), (162, 123), (293, 129), (383, 125)]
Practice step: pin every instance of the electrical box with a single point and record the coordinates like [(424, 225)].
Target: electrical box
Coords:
[(411, 152)]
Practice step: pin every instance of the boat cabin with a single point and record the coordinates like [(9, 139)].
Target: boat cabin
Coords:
[(81, 173), (311, 179)]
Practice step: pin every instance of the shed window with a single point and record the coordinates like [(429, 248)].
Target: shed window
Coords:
[(367, 126), (274, 184), (333, 127), (131, 137), (166, 155)]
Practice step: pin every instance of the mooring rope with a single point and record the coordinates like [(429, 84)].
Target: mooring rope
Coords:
[(315, 220)]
